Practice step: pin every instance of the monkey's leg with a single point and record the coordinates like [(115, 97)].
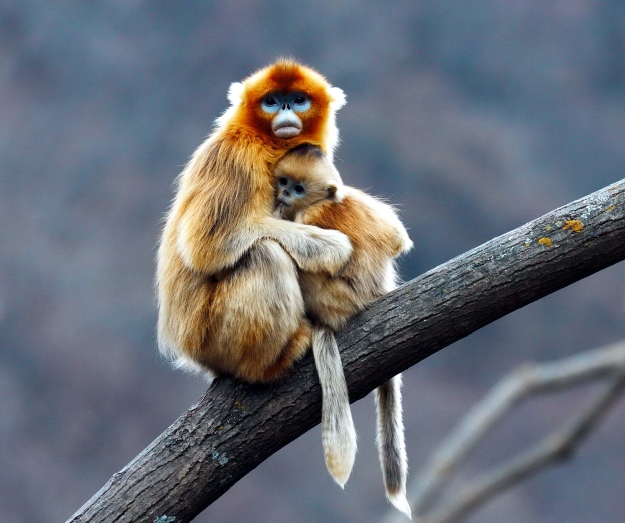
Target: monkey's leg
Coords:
[(390, 440), (256, 325), (295, 348), (337, 426)]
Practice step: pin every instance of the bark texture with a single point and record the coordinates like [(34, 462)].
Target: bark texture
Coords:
[(235, 426)]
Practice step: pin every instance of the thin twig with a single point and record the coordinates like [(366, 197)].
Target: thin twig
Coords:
[(607, 363)]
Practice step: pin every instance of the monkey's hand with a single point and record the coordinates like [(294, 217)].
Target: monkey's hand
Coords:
[(336, 250), (313, 249)]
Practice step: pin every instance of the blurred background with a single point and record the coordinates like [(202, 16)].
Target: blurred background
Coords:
[(474, 117)]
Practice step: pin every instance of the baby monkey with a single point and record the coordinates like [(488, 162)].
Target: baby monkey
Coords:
[(305, 177), (309, 190)]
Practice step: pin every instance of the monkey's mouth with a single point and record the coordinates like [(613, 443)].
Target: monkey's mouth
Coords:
[(287, 130)]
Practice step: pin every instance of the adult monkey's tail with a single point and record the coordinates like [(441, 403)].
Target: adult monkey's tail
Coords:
[(337, 426)]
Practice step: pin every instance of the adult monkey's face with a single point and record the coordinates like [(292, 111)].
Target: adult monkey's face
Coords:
[(285, 109)]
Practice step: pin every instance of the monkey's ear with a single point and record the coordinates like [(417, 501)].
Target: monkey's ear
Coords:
[(338, 98), (334, 193), (235, 93)]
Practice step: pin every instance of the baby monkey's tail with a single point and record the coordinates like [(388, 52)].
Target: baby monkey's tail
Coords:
[(337, 426), (391, 446)]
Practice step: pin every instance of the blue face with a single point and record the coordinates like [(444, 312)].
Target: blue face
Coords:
[(275, 102), (284, 109), (289, 191)]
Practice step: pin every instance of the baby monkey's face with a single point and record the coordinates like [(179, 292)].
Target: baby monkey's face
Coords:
[(304, 177), (295, 195), (300, 194)]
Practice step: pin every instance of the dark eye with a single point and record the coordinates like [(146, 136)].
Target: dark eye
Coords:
[(299, 100), (299, 189), (283, 181), (270, 101)]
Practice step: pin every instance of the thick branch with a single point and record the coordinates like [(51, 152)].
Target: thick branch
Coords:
[(234, 427)]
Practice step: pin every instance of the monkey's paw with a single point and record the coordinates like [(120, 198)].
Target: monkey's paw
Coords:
[(337, 249)]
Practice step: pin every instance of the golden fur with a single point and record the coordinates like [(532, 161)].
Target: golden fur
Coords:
[(307, 165), (228, 293), (376, 234), (378, 237)]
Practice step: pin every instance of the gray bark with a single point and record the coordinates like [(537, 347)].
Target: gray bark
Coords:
[(234, 426)]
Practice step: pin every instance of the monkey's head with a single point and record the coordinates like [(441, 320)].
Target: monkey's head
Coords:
[(305, 177), (287, 104)]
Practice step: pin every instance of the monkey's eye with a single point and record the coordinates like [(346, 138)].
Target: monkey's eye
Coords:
[(299, 189), (271, 104), (283, 182), (301, 103)]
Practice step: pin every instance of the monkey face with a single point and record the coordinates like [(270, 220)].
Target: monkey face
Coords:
[(286, 102), (291, 193), (284, 109), (295, 195)]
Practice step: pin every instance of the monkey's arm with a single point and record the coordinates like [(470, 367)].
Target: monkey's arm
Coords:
[(212, 249), (214, 225), (313, 249)]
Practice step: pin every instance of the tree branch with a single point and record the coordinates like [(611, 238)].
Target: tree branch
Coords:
[(599, 364), (235, 426), (556, 447)]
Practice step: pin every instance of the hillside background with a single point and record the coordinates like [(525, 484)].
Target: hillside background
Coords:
[(474, 117)]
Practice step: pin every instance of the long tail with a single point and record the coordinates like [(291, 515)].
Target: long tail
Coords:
[(391, 446), (337, 426)]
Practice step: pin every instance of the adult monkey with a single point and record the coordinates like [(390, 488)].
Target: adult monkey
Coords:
[(229, 298)]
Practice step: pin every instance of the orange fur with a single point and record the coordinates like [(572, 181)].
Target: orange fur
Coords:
[(286, 76), (378, 237), (376, 233), (229, 300)]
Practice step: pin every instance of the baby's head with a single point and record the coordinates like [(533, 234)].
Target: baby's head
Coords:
[(305, 177)]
